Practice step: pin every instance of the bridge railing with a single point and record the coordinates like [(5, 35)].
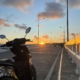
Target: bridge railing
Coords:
[(73, 48)]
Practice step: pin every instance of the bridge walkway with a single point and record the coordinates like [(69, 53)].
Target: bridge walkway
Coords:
[(68, 69)]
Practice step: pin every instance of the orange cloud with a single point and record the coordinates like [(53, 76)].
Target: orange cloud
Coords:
[(47, 39), (45, 36), (19, 4), (35, 37), (35, 40), (4, 23)]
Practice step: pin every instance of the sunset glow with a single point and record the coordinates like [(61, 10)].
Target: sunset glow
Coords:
[(42, 43), (17, 15)]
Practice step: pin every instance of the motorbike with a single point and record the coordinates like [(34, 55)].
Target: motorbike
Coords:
[(19, 65)]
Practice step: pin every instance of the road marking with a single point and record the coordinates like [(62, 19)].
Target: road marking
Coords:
[(52, 68), (59, 73)]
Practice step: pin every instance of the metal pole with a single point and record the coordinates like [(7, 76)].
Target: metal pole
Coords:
[(7, 39), (67, 23), (51, 37), (38, 30), (64, 34)]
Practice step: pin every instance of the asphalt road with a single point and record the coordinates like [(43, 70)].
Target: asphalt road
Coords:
[(43, 58)]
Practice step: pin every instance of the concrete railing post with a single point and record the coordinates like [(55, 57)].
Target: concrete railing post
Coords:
[(79, 50), (77, 69), (72, 48), (76, 50)]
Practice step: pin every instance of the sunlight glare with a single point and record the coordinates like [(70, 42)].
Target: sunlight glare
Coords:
[(42, 43)]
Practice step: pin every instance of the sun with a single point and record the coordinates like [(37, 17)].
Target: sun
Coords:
[(42, 43)]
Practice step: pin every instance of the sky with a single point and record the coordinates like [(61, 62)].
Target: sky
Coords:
[(17, 15)]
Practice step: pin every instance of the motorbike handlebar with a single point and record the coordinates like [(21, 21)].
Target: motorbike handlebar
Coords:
[(27, 39), (16, 42)]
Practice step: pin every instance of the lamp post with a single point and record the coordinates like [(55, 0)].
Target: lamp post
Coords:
[(64, 33), (51, 37), (38, 29), (67, 23)]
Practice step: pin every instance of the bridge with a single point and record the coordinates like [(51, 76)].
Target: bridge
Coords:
[(73, 49), (55, 62), (66, 64)]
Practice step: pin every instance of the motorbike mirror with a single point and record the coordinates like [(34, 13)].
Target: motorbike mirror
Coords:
[(28, 30), (2, 36)]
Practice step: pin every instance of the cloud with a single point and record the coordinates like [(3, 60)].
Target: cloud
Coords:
[(35, 37), (19, 4), (22, 27), (35, 40), (4, 23), (72, 3), (72, 34), (7, 24), (45, 36), (53, 10)]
